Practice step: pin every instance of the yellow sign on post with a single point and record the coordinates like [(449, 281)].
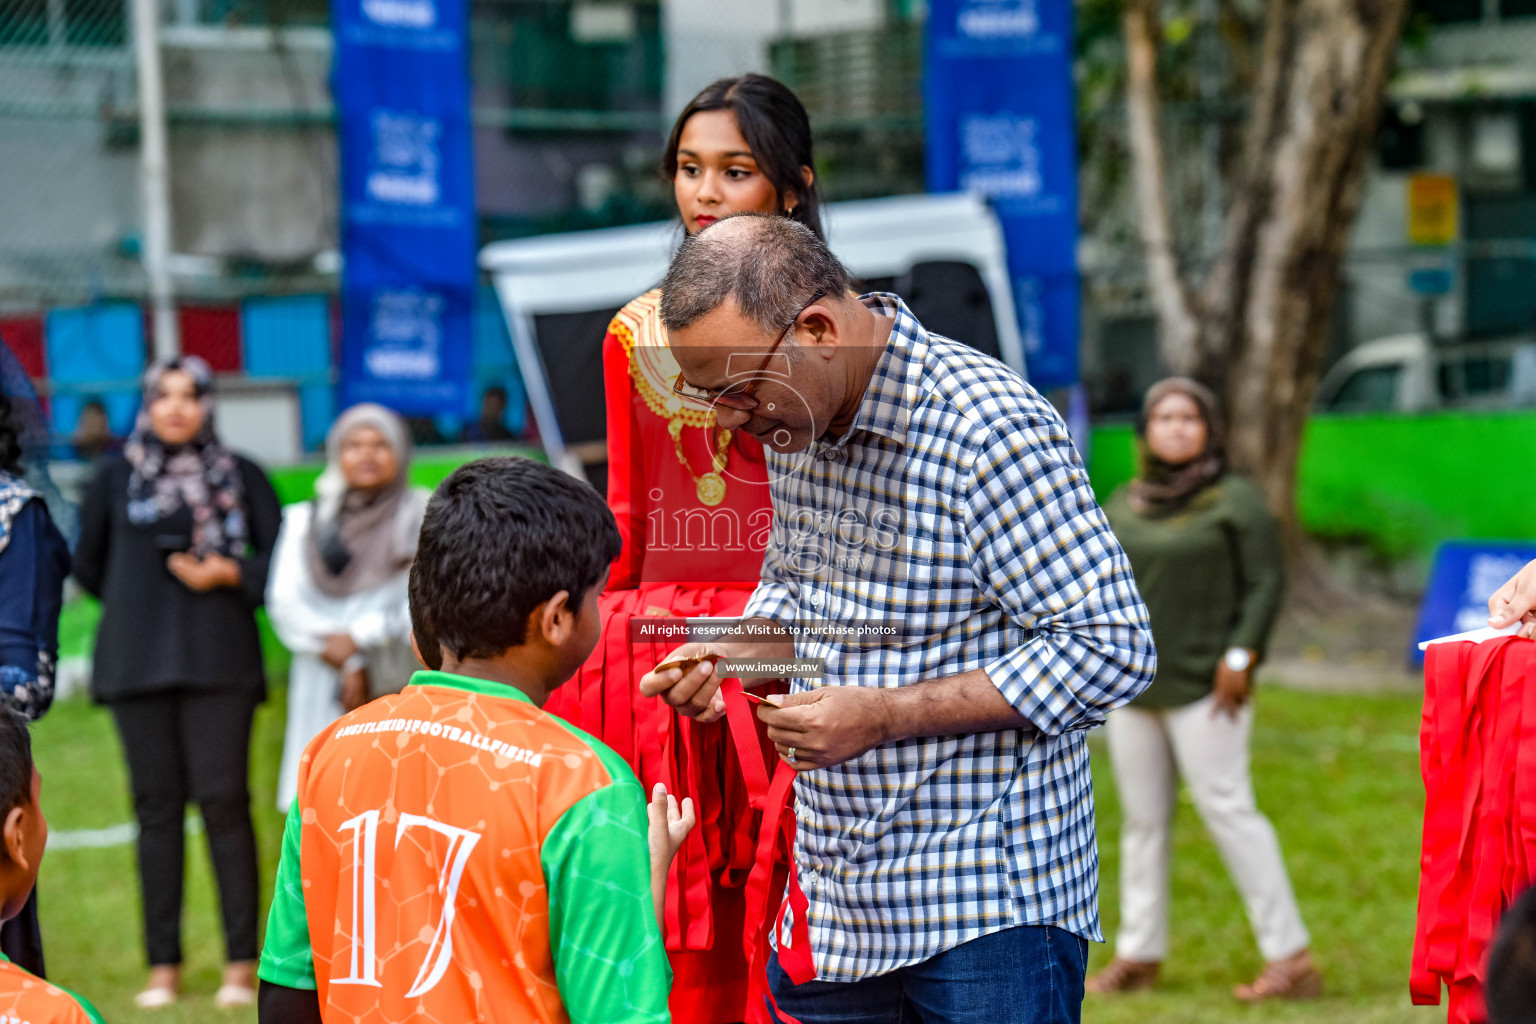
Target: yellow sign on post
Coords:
[(1433, 204)]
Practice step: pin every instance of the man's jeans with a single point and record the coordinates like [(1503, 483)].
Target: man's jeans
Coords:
[(1028, 975)]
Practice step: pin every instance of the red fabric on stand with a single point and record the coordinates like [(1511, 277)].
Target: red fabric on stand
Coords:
[(1478, 757), (773, 870)]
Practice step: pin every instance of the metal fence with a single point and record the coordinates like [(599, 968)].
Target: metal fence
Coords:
[(569, 109)]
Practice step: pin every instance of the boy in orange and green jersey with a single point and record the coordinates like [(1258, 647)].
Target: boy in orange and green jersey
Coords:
[(455, 854), (24, 997)]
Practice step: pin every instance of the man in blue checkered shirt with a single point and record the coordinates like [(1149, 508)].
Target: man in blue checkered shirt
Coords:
[(936, 543)]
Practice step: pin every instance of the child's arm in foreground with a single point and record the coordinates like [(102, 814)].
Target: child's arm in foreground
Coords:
[(668, 827), (610, 960)]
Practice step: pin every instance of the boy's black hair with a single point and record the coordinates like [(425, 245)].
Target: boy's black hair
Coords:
[(501, 536), (1511, 989), (15, 760)]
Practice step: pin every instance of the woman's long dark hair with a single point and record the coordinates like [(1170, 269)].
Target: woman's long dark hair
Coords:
[(10, 438), (776, 127)]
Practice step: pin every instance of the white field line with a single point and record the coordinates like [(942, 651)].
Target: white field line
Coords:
[(101, 838)]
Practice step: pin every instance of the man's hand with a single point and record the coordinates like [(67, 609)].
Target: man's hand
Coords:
[(828, 725), (338, 648), (354, 689), (203, 574), (1515, 601), (695, 692), (1232, 689)]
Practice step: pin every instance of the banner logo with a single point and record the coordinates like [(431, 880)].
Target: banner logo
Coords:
[(401, 13), (408, 333), (999, 19), (1001, 156), (404, 167)]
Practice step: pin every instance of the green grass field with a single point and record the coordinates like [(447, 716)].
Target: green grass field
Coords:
[(1338, 774)]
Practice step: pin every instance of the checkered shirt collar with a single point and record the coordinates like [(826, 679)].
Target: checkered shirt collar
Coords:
[(886, 406)]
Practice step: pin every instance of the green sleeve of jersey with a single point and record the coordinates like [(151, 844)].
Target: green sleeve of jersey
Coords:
[(610, 963), (286, 959), (91, 1012)]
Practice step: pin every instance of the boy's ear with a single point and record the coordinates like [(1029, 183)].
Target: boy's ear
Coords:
[(421, 658), (14, 835), (555, 619)]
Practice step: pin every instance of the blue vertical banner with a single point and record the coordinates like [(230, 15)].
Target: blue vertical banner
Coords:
[(999, 121), (408, 231)]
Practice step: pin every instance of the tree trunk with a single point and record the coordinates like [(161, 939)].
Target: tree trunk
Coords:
[(1266, 306), (1178, 327)]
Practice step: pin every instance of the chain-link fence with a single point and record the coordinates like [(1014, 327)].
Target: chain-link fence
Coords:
[(572, 100)]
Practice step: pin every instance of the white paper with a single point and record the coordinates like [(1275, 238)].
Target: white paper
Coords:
[(1475, 636)]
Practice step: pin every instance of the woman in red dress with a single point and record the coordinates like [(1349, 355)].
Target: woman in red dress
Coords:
[(692, 504)]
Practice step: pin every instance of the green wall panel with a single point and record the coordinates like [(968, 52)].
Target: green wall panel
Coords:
[(1402, 484)]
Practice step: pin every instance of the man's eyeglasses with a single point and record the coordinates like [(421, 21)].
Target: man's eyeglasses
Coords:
[(739, 396)]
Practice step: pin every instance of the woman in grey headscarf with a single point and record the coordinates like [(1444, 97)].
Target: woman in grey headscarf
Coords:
[(337, 594)]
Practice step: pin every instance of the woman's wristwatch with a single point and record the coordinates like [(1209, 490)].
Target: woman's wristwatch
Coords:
[(1237, 659), (354, 663)]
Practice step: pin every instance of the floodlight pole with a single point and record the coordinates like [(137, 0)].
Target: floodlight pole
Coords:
[(155, 177)]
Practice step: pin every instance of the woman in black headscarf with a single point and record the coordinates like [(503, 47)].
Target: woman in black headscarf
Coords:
[(176, 538), (1209, 564)]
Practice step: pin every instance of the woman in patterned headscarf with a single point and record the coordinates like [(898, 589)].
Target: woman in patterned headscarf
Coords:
[(176, 538)]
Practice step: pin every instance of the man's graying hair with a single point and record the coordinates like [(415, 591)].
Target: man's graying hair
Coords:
[(772, 265)]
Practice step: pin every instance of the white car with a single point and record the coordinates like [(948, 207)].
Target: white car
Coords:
[(942, 253), (1409, 373)]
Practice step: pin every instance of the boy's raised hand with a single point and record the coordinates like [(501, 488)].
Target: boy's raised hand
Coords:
[(669, 825)]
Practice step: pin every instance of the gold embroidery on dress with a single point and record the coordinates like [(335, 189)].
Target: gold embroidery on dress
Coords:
[(652, 368)]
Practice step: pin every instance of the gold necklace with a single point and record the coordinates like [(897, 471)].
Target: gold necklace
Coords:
[(711, 486)]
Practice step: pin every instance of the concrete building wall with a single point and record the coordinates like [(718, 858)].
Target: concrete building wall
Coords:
[(69, 170), (710, 39), (255, 174)]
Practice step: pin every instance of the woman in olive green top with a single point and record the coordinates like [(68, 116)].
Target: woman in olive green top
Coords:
[(1208, 561)]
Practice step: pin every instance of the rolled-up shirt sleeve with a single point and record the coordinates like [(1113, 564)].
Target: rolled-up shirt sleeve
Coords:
[(1040, 547)]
